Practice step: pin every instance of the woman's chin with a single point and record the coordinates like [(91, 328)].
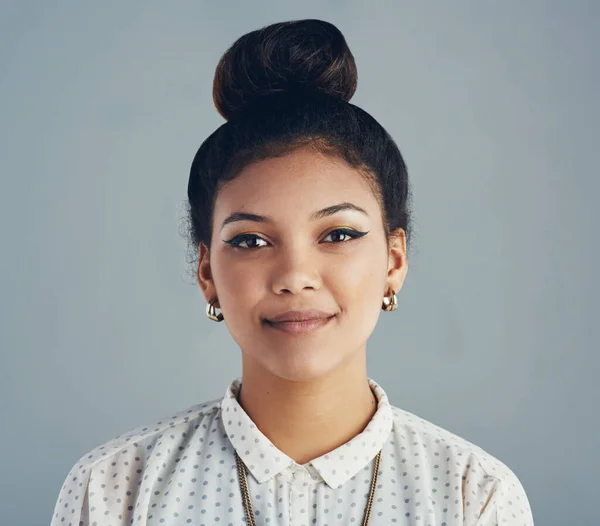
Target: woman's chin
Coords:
[(302, 366)]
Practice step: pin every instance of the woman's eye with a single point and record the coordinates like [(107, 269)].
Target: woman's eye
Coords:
[(340, 232), (250, 239), (242, 238)]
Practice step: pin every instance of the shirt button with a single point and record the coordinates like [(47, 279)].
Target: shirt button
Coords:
[(297, 475)]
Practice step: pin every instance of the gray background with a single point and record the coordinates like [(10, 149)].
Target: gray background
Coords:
[(495, 108)]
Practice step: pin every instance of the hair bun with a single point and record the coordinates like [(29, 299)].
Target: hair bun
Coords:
[(299, 55)]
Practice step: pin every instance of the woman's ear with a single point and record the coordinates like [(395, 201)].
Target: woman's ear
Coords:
[(397, 261), (204, 273)]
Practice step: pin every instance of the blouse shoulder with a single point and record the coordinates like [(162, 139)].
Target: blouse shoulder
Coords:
[(129, 448), (492, 492), (442, 438)]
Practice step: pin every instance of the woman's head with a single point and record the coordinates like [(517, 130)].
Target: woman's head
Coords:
[(294, 146)]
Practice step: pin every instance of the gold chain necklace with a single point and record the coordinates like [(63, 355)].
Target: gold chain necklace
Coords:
[(248, 503)]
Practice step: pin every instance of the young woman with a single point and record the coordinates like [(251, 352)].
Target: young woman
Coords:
[(300, 214)]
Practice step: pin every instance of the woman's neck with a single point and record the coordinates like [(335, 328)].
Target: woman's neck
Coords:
[(305, 420)]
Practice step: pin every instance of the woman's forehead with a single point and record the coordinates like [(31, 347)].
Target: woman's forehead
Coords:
[(293, 180)]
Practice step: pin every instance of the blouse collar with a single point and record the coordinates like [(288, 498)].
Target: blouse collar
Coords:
[(264, 460)]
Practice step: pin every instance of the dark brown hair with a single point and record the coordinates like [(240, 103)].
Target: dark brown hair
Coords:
[(288, 86)]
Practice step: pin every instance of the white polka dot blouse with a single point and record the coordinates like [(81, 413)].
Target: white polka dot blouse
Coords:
[(182, 471)]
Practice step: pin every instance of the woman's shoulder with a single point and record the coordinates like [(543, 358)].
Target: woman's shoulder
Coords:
[(189, 417), (143, 437), (488, 487), (125, 457), (447, 446)]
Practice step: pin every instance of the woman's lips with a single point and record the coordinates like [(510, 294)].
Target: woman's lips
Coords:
[(296, 327)]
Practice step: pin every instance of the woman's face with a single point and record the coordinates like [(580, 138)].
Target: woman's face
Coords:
[(292, 261)]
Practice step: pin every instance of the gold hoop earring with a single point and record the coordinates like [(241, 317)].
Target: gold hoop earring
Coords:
[(390, 303), (211, 311)]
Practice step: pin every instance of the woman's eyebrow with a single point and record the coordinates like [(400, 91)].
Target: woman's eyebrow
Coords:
[(319, 214)]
